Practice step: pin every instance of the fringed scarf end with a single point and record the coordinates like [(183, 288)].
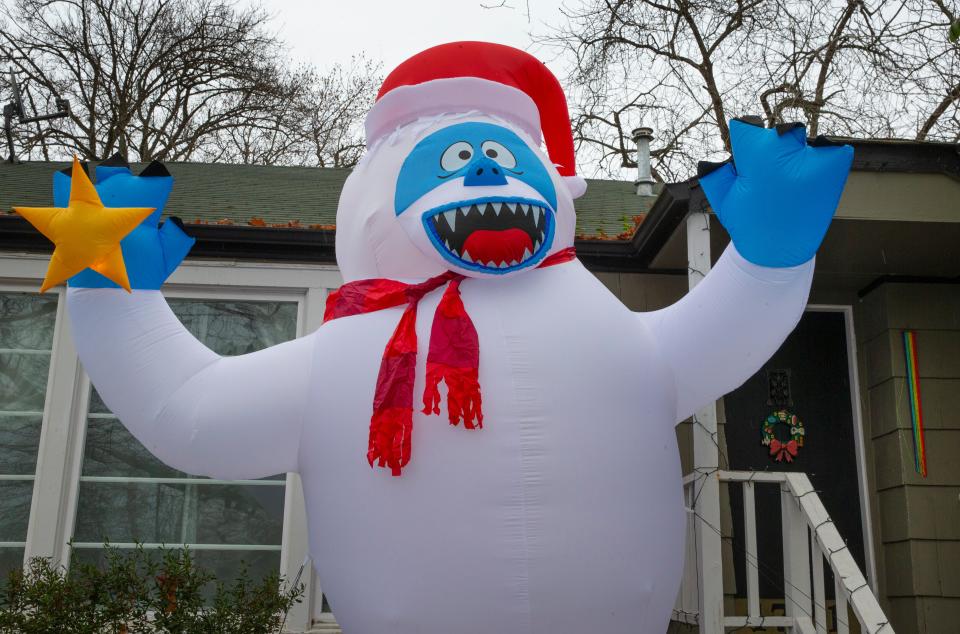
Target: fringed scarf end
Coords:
[(464, 402), (390, 432)]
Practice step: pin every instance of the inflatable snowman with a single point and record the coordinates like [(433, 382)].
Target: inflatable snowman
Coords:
[(552, 504)]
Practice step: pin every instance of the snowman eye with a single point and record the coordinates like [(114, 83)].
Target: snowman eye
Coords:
[(498, 153), (456, 156)]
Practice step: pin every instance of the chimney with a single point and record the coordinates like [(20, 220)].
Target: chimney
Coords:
[(644, 182)]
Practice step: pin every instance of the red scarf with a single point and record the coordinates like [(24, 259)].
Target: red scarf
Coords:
[(453, 356)]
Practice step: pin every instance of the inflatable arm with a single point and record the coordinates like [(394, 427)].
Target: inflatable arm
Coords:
[(723, 330), (224, 417), (776, 198)]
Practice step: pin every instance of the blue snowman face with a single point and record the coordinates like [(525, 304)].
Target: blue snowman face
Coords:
[(484, 198)]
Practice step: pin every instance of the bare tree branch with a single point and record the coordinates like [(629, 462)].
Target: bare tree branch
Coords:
[(878, 68), (180, 80)]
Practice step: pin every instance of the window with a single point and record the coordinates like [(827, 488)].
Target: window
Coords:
[(127, 496), (27, 322), (93, 481)]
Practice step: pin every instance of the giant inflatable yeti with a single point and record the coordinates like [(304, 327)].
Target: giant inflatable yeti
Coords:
[(553, 502)]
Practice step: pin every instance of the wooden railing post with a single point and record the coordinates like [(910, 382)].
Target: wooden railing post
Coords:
[(752, 564), (819, 592), (796, 557), (840, 613)]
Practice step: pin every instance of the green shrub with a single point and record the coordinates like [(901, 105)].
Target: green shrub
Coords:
[(141, 592)]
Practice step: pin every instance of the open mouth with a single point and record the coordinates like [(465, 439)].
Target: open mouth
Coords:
[(494, 235)]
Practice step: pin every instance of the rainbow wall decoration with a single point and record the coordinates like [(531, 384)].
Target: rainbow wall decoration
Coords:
[(916, 411)]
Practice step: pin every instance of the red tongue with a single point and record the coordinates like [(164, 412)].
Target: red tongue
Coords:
[(508, 245)]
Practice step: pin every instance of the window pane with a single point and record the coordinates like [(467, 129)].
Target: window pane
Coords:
[(23, 380), (27, 322), (223, 563), (14, 509), (120, 499), (19, 439), (232, 328), (112, 451), (177, 513), (11, 558)]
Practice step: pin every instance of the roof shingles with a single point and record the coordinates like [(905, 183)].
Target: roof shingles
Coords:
[(307, 197)]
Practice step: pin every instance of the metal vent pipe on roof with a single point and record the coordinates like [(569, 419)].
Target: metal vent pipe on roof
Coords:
[(644, 182)]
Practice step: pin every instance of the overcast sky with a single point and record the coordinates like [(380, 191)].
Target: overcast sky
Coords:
[(327, 32)]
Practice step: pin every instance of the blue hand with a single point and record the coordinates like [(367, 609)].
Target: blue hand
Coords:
[(151, 252), (777, 197)]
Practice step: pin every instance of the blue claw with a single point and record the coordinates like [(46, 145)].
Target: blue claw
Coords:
[(152, 251), (778, 196)]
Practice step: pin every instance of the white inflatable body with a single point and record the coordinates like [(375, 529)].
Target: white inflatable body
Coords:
[(563, 514)]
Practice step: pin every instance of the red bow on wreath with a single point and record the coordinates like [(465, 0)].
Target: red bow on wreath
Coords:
[(783, 450)]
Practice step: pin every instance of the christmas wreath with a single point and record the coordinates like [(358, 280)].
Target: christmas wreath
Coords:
[(779, 449)]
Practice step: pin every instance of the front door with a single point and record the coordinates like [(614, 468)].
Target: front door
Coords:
[(809, 377)]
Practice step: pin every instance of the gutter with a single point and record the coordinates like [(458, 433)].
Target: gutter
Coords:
[(213, 241), (635, 255)]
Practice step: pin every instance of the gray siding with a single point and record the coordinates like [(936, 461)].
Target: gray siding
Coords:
[(917, 519)]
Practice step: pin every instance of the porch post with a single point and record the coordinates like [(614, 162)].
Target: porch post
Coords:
[(706, 459)]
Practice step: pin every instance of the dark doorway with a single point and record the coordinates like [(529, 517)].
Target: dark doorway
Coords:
[(809, 376)]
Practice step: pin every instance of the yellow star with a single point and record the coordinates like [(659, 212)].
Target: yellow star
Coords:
[(85, 234)]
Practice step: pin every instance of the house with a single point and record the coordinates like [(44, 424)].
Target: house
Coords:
[(264, 263)]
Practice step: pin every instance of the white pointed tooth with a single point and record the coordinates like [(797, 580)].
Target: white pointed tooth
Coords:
[(536, 245), (512, 207), (446, 243), (496, 208), (491, 264), (466, 257), (536, 215), (525, 209), (451, 217), (514, 263), (464, 211), (503, 264), (526, 254)]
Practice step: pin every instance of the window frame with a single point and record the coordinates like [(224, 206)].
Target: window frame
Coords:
[(63, 429)]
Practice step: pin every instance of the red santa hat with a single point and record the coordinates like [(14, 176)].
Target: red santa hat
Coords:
[(491, 78)]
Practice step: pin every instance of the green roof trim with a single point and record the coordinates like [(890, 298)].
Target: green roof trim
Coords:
[(297, 196)]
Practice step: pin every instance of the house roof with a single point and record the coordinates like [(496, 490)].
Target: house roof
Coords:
[(297, 197), (288, 201)]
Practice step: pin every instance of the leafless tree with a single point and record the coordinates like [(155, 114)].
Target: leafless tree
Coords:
[(173, 80), (319, 127), (685, 67), (932, 81)]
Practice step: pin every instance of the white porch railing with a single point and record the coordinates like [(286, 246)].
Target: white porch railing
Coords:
[(805, 525)]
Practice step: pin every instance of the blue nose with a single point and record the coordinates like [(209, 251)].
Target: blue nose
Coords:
[(484, 171)]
